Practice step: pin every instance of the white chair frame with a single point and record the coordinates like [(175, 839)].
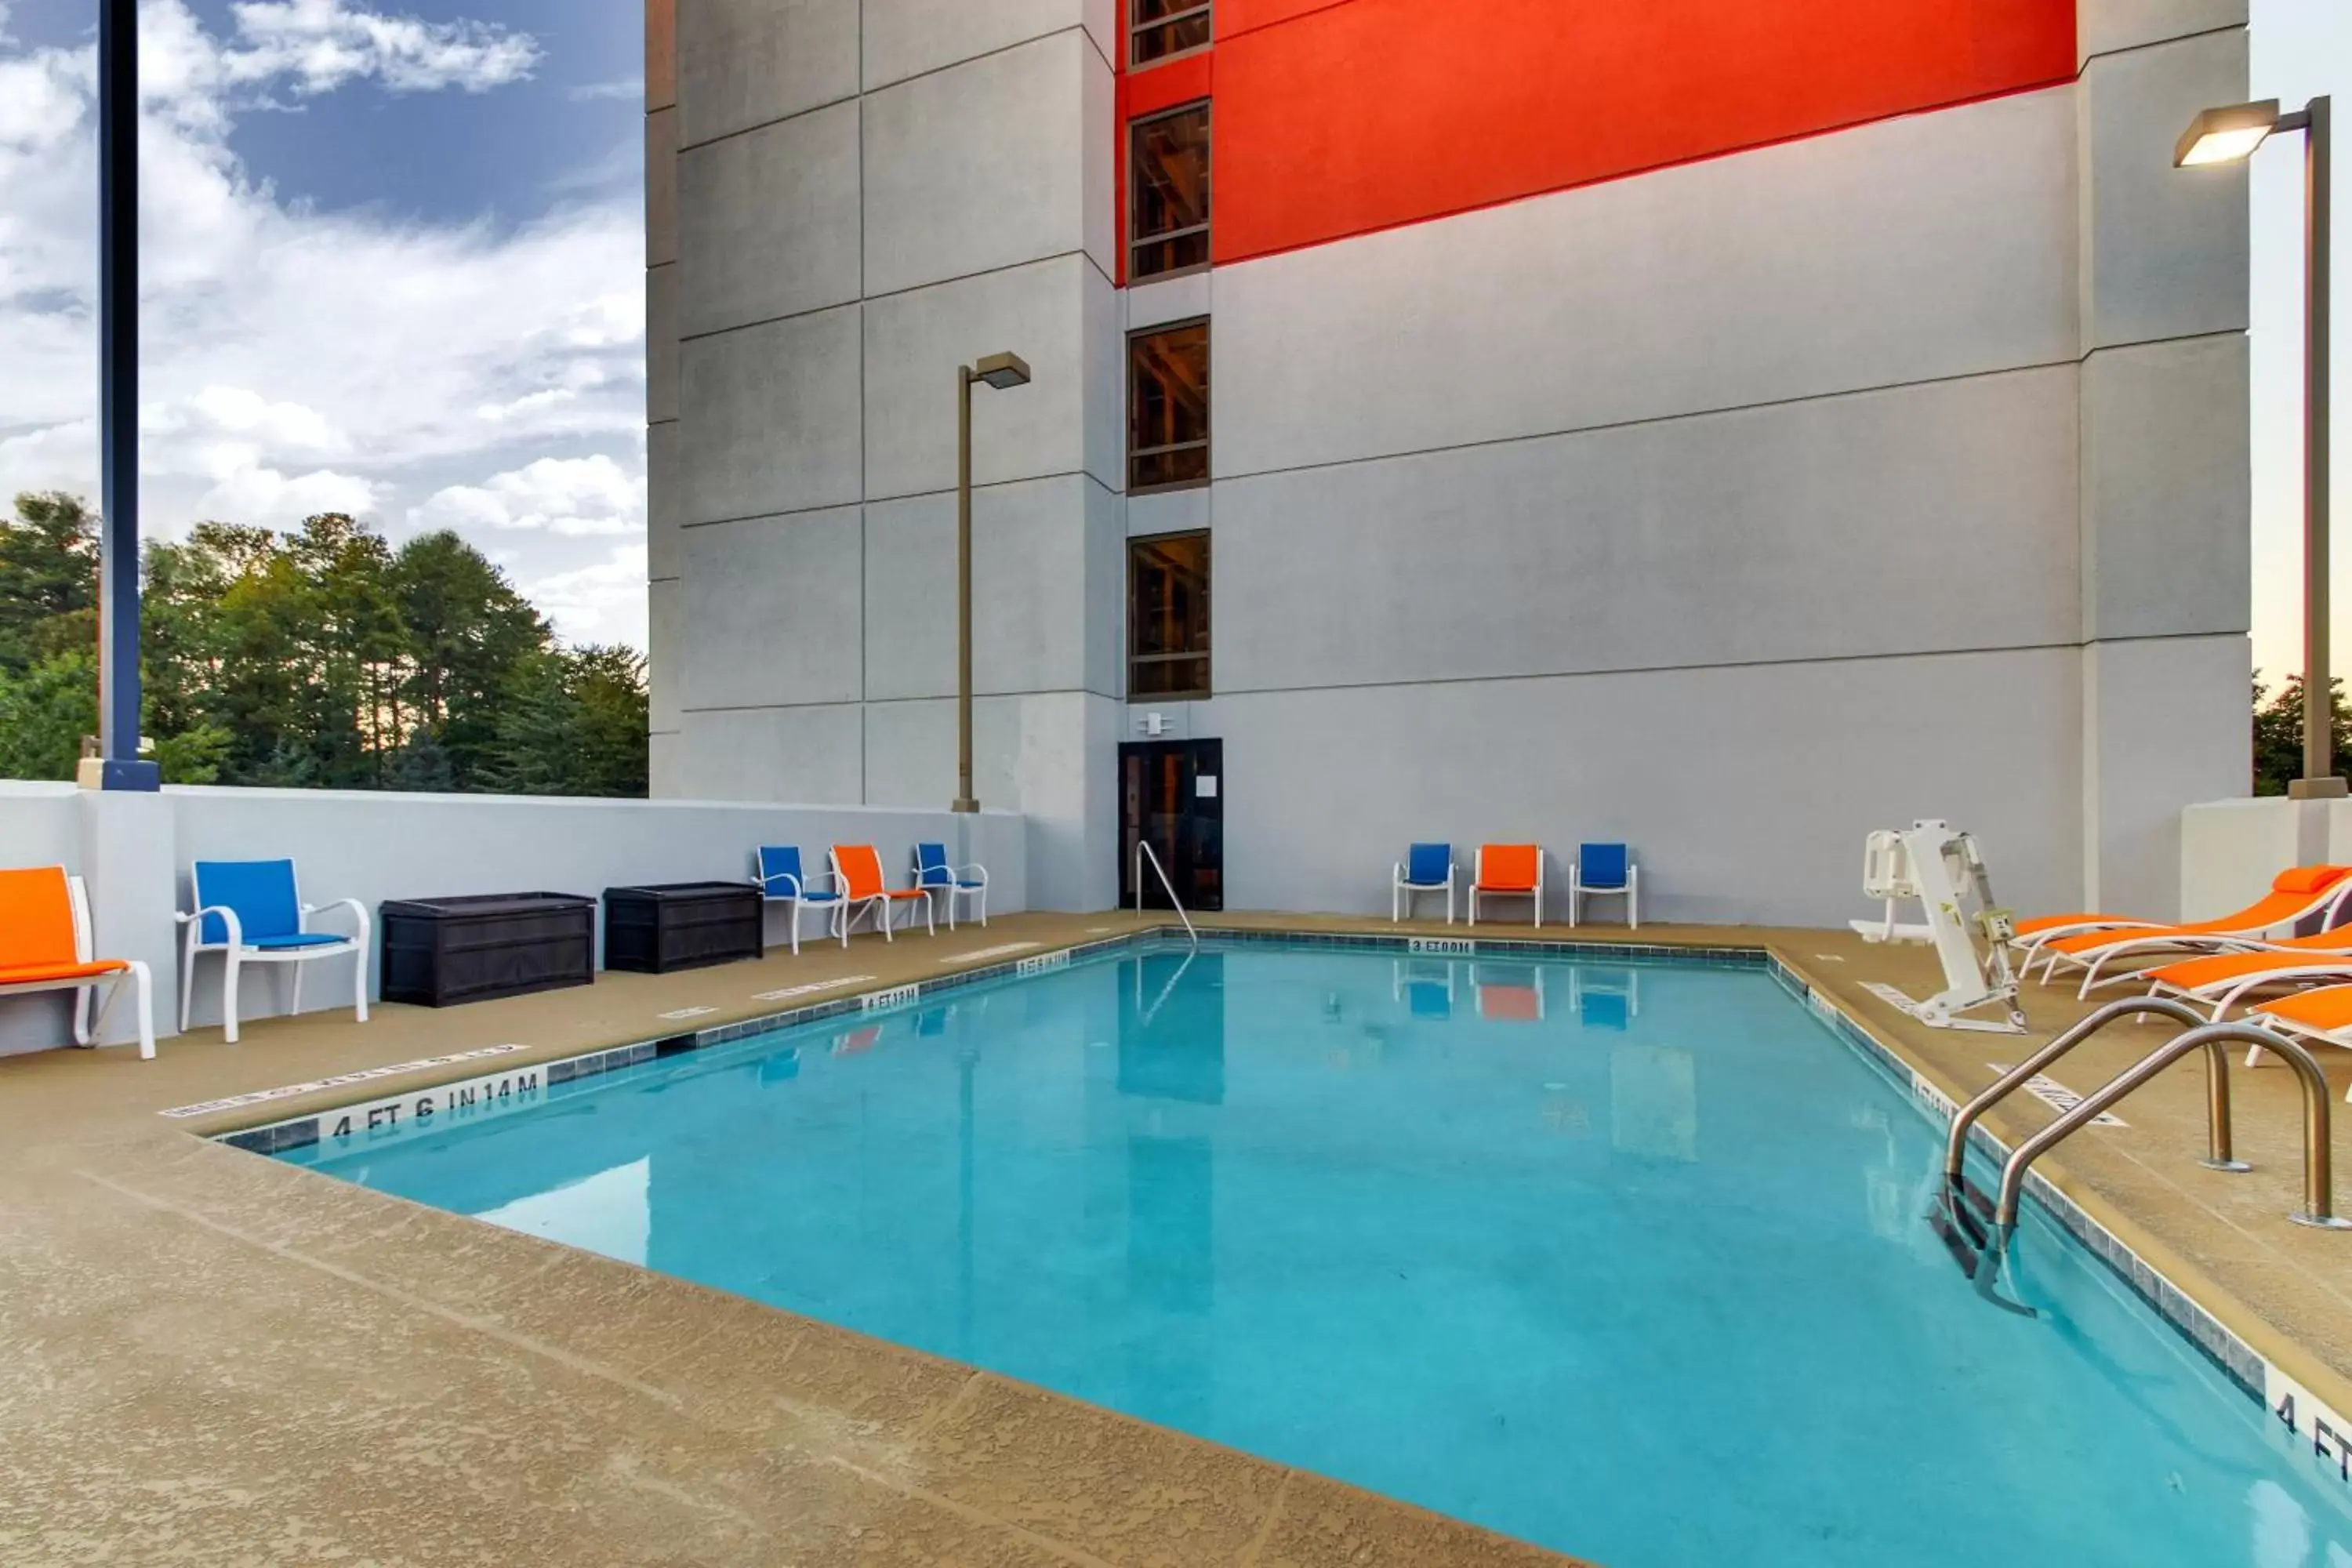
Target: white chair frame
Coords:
[(1402, 892), (87, 1025), (954, 889), (237, 955), (1478, 875), (798, 899), (1578, 890)]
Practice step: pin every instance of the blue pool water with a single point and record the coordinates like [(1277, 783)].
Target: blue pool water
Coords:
[(1625, 1260)]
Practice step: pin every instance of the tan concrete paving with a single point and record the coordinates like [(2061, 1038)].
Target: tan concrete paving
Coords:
[(209, 1357)]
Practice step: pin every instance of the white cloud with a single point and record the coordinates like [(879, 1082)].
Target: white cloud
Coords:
[(297, 360), (602, 603), (249, 492), (578, 497), (634, 88)]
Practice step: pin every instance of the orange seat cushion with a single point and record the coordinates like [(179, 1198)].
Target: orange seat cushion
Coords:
[(2309, 878), (2327, 1009), (2051, 922), (1507, 868), (37, 925), (2217, 968), (34, 973)]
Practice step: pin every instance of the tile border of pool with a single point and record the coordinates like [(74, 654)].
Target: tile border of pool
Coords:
[(2245, 1366), (2252, 1373)]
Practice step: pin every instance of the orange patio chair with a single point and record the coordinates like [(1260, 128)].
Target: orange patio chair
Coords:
[(2322, 1017), (1509, 871), (2296, 892), (2322, 890), (857, 875), (45, 946)]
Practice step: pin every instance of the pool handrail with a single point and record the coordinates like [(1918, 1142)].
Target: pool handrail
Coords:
[(1144, 851), (1956, 1141), (2318, 1199)]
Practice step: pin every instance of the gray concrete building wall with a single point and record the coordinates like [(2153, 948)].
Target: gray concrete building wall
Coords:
[(869, 195), (1731, 509)]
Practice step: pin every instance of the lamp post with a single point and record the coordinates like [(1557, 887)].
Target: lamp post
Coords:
[(119, 766), (2231, 135), (1001, 371)]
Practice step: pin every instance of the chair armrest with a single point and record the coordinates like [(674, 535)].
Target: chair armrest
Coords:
[(359, 911), (975, 868), (229, 919), (768, 886)]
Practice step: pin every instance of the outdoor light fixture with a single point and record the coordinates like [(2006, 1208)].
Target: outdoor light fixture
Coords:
[(2230, 135), (2226, 135), (1002, 371)]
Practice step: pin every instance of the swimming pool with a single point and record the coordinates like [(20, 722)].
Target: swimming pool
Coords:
[(1626, 1258)]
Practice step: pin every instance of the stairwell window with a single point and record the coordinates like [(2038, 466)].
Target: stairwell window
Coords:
[(1167, 408), (1168, 192), (1163, 27), (1168, 616)]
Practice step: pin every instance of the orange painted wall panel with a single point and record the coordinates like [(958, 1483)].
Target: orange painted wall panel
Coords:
[(1340, 117)]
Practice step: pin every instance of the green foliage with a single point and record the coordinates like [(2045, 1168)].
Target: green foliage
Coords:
[(317, 658), (44, 713), (2278, 734)]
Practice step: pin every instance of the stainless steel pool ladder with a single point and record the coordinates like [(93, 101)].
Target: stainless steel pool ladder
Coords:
[(1958, 1222), (1144, 851)]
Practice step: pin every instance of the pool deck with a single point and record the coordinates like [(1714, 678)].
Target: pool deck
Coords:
[(211, 1357)]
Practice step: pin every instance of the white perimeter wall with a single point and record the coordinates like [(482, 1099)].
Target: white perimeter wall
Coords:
[(134, 851)]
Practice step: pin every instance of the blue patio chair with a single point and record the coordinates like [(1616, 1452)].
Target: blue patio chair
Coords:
[(1605, 868), (782, 881), (1427, 869), (941, 880), (251, 911)]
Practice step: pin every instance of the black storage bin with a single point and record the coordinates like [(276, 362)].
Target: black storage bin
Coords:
[(681, 925), (440, 952)]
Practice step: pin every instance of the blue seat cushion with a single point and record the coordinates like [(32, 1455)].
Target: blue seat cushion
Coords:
[(1602, 865), (1429, 865), (288, 940), (973, 885), (260, 891)]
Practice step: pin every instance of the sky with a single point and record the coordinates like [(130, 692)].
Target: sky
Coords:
[(2301, 48), (393, 265)]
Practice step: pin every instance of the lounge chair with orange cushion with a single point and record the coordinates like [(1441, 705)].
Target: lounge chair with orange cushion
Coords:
[(857, 875), (1507, 871), (2296, 893), (2323, 1018), (2225, 979), (44, 945)]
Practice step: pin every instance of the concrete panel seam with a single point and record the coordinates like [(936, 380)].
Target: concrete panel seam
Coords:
[(980, 694), (887, 293), (1880, 656), (768, 124), (897, 82), (2070, 362), (978, 486), (2156, 44), (2089, 354)]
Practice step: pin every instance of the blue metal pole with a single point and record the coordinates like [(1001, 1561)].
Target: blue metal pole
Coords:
[(117, 311)]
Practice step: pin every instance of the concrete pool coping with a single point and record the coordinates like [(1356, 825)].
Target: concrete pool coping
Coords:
[(234, 1359)]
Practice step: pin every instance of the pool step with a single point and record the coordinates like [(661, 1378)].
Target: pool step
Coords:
[(1962, 1220)]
